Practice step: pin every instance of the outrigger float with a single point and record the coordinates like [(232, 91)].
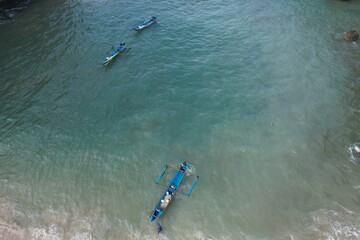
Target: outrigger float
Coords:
[(171, 189)]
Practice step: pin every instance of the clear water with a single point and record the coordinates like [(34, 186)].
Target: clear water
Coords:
[(262, 97)]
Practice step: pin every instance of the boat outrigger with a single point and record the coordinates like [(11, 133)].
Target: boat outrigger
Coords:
[(146, 24), (170, 191), (114, 53)]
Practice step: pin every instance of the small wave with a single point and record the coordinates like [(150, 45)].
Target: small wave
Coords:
[(79, 223), (191, 170), (354, 151), (335, 222)]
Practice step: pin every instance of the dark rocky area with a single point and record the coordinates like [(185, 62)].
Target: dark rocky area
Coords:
[(12, 3), (9, 7), (351, 36)]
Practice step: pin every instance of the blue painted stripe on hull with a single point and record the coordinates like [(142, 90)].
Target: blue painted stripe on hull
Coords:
[(145, 25), (114, 53)]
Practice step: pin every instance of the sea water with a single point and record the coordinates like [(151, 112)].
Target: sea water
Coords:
[(261, 97)]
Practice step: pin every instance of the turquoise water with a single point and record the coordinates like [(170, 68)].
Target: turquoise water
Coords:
[(261, 97)]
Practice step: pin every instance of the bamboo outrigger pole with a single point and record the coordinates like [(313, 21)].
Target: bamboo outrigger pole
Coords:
[(192, 187), (162, 174)]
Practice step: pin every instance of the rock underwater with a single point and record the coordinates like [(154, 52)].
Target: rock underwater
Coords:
[(351, 36), (9, 7)]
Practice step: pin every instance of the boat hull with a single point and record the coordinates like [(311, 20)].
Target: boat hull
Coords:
[(112, 55), (169, 194), (146, 24)]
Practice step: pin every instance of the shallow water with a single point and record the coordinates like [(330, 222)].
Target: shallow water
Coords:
[(261, 97)]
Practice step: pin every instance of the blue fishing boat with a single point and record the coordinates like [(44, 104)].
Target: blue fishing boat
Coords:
[(114, 53), (146, 24), (170, 191)]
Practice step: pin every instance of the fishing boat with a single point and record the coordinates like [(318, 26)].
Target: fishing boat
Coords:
[(171, 190), (146, 24), (114, 53)]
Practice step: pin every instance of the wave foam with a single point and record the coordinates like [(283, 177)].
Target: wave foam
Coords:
[(335, 223), (354, 151)]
